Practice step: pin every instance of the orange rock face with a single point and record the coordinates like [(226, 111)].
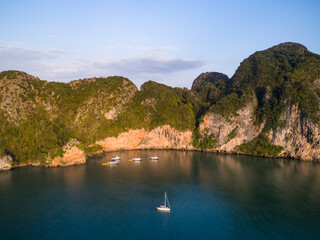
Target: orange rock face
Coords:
[(72, 156), (159, 138)]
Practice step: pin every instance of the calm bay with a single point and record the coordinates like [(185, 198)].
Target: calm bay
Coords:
[(212, 196)]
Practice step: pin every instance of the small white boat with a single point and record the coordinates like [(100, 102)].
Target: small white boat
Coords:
[(164, 208), (113, 162), (116, 158), (154, 158), (136, 159)]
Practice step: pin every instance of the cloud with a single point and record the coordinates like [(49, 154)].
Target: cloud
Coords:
[(143, 68), (53, 64), (147, 64), (20, 53)]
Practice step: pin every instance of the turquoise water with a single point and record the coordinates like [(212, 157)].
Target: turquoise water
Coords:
[(212, 196)]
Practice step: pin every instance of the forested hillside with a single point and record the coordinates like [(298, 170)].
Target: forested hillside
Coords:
[(256, 111)]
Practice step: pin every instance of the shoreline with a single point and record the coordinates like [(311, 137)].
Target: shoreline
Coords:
[(35, 164), (207, 151)]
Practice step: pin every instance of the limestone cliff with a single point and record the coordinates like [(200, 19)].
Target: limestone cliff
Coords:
[(232, 132), (300, 136), (5, 163), (73, 155), (269, 107), (163, 137)]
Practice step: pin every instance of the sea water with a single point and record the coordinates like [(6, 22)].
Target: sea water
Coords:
[(212, 196)]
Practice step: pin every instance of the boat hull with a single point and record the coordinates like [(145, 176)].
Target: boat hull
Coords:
[(113, 162), (163, 209)]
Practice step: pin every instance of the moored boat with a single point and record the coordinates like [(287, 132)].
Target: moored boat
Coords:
[(113, 162), (164, 208)]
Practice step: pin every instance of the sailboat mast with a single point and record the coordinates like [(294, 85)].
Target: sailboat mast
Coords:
[(165, 196)]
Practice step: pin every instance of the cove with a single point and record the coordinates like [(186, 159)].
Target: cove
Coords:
[(212, 196)]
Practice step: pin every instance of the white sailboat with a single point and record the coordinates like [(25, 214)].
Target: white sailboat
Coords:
[(164, 208)]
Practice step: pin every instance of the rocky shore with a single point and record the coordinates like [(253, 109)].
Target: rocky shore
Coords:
[(5, 163)]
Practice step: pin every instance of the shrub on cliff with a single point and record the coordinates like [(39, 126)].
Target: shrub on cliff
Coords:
[(260, 146)]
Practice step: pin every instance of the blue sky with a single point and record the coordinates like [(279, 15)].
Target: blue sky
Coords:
[(171, 42)]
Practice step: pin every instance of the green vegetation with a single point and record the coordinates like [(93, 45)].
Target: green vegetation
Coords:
[(37, 118), (53, 112), (297, 148), (228, 106), (203, 142), (93, 149), (260, 146), (232, 134), (284, 74), (213, 92), (11, 74), (155, 105), (33, 139)]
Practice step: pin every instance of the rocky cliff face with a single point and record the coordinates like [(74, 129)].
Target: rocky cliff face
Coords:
[(164, 137), (300, 137), (5, 163), (73, 155), (270, 107), (231, 132)]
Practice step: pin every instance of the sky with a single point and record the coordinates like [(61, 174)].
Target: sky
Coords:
[(170, 42)]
